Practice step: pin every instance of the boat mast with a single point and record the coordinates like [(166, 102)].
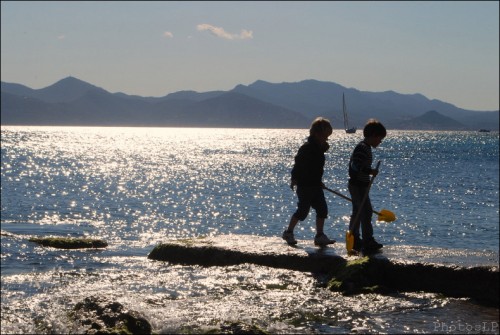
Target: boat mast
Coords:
[(346, 122)]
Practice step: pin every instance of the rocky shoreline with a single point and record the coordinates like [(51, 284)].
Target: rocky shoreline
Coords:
[(350, 275), (461, 274)]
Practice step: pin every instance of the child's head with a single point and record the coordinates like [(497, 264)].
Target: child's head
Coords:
[(374, 128), (321, 127), (374, 132)]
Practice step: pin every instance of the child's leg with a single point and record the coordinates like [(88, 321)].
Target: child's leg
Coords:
[(369, 243), (303, 207), (366, 220), (320, 224), (357, 194), (357, 197), (321, 208), (293, 222)]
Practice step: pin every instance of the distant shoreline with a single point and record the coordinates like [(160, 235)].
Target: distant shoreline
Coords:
[(224, 127), (73, 102)]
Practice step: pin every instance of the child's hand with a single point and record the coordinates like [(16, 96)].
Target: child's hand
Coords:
[(374, 172)]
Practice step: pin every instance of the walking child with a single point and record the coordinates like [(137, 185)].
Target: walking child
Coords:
[(360, 170), (307, 175)]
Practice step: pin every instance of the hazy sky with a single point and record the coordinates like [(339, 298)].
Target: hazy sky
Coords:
[(443, 50)]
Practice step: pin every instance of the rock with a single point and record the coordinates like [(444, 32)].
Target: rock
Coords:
[(102, 316), (395, 269), (69, 243), (240, 328), (378, 274), (362, 275), (238, 249), (480, 283)]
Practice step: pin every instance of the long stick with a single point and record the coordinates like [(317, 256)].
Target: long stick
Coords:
[(346, 198)]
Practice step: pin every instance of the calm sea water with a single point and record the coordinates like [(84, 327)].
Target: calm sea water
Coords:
[(137, 187)]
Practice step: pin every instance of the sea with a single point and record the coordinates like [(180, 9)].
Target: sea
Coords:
[(138, 187)]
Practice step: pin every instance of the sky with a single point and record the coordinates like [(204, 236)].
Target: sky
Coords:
[(445, 50)]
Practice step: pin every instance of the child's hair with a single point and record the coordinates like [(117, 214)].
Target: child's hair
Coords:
[(374, 128), (320, 125)]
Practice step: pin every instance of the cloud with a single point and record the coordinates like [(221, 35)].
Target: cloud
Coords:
[(220, 32), (168, 34), (61, 37)]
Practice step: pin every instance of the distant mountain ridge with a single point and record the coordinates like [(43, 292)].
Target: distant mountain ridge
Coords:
[(432, 120), (261, 104)]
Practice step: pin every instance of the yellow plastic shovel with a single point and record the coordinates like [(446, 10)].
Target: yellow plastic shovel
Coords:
[(384, 214)]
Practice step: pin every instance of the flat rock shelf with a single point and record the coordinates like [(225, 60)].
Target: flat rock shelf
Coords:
[(455, 273)]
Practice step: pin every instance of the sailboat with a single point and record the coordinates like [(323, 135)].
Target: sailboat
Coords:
[(346, 121)]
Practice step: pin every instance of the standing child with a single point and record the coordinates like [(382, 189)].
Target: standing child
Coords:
[(360, 169), (307, 174)]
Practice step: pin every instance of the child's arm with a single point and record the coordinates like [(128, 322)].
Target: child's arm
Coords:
[(300, 166), (366, 169), (361, 162)]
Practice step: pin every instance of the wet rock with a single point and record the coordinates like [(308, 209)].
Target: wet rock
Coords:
[(479, 283), (240, 328), (69, 243), (362, 275), (239, 249), (225, 327), (102, 316), (378, 274), (396, 269)]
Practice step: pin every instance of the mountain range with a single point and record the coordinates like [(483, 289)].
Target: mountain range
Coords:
[(71, 101)]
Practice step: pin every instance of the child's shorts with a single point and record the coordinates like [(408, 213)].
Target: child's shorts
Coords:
[(311, 197)]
